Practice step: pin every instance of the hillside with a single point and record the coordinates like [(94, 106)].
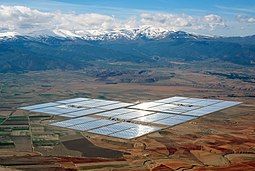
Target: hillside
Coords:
[(23, 53)]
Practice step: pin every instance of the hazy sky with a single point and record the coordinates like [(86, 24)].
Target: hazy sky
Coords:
[(213, 17)]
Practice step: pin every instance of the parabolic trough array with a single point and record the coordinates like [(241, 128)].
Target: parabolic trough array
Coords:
[(127, 120)]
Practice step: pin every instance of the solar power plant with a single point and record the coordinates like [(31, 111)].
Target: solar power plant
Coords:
[(153, 117), (92, 103), (174, 120), (147, 105), (92, 125), (162, 107), (72, 100), (131, 115), (135, 132), (127, 120), (71, 122), (56, 110), (171, 99), (82, 112), (110, 129), (39, 106), (115, 106), (115, 112)]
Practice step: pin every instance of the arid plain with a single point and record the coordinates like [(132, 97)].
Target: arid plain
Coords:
[(223, 140)]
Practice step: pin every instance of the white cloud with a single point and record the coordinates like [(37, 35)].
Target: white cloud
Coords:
[(166, 20), (245, 19), (214, 21), (25, 21), (19, 17), (183, 21)]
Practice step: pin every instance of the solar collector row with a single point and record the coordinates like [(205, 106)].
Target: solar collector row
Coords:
[(71, 122), (135, 132), (171, 99), (91, 125), (106, 127)]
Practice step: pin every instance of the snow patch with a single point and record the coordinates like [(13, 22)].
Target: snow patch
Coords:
[(8, 35)]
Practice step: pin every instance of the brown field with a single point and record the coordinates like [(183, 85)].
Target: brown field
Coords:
[(90, 150)]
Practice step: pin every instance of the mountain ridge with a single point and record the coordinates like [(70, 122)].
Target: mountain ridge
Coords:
[(25, 53), (129, 34), (147, 32)]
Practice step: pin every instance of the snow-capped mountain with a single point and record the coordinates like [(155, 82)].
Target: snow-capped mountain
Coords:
[(8, 35), (70, 50), (129, 34)]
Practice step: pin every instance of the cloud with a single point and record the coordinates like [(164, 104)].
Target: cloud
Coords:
[(214, 21), (22, 17), (166, 20), (182, 21), (26, 21), (245, 19)]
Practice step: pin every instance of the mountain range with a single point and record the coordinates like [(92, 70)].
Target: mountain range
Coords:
[(130, 34), (67, 50)]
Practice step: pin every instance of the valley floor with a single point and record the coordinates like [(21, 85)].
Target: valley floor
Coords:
[(224, 140)]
